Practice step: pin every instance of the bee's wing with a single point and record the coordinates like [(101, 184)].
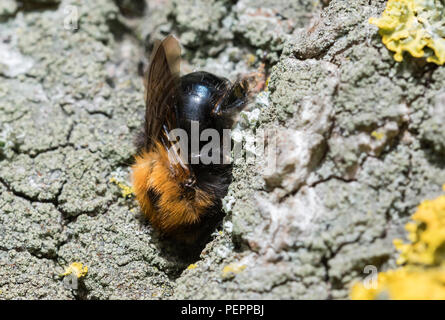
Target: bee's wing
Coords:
[(161, 93), (161, 88)]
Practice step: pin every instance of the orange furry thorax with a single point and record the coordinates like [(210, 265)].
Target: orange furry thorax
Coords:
[(161, 194)]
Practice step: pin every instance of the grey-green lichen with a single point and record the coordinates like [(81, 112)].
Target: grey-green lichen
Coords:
[(7, 8), (359, 145)]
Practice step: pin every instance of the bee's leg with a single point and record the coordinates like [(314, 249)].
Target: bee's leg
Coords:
[(234, 101), (227, 113), (232, 108)]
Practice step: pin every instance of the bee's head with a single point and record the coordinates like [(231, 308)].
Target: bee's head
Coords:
[(200, 92), (205, 95)]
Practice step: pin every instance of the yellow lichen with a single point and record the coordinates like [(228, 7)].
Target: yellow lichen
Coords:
[(266, 85), (192, 266), (251, 59), (414, 26), (403, 284), (378, 135), (77, 269), (232, 269), (127, 191), (423, 273), (427, 235)]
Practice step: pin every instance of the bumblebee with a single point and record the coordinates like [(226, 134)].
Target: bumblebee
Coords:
[(181, 196)]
